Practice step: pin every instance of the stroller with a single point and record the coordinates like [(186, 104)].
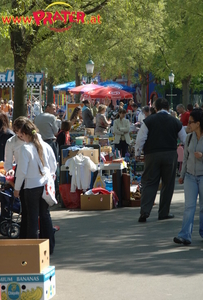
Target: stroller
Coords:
[(10, 216)]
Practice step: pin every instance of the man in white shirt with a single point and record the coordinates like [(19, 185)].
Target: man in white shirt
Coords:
[(158, 137)]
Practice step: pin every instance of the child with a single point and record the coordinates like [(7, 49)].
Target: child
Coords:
[(63, 137)]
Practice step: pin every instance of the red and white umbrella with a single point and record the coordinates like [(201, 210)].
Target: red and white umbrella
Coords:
[(110, 93), (84, 88)]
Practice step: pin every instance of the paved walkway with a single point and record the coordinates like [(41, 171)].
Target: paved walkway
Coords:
[(108, 255)]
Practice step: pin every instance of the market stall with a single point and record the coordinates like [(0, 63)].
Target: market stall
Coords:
[(112, 172)]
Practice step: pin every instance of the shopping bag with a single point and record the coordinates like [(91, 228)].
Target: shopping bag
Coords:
[(49, 190)]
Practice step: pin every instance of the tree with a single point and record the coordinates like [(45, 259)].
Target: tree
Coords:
[(23, 39), (181, 46)]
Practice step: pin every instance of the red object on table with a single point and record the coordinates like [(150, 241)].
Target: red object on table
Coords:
[(70, 200)]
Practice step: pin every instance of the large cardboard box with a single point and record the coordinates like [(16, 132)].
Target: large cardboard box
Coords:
[(23, 256), (96, 202), (93, 154), (40, 286)]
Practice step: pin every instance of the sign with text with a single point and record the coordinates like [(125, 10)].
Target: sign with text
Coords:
[(54, 16), (8, 77)]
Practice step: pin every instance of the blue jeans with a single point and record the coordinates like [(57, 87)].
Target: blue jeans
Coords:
[(193, 185)]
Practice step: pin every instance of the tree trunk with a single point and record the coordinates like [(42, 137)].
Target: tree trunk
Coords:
[(186, 90), (77, 83), (144, 93), (21, 45), (20, 94), (50, 92), (144, 82)]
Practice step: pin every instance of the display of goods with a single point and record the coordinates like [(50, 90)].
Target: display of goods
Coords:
[(135, 195)]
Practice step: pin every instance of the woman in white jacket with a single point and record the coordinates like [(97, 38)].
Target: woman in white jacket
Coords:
[(35, 157), (121, 128)]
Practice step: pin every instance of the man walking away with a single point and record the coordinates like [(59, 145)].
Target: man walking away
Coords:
[(158, 138), (47, 125)]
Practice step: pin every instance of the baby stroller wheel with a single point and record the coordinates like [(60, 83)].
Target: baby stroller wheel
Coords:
[(13, 231), (4, 228)]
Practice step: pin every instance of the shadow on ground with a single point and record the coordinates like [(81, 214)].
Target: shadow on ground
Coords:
[(114, 241)]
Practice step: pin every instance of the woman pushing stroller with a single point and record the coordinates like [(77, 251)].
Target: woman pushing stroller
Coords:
[(35, 158)]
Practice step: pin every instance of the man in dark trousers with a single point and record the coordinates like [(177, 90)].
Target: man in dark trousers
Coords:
[(158, 138)]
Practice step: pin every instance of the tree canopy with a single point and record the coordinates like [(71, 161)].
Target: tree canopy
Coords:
[(122, 37)]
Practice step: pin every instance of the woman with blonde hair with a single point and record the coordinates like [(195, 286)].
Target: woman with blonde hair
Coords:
[(35, 159), (102, 123)]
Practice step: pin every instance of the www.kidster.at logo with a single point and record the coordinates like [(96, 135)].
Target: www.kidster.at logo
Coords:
[(53, 17)]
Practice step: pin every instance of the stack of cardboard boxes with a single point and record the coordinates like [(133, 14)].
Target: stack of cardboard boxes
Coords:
[(25, 272)]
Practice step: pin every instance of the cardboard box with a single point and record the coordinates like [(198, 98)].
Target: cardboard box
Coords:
[(96, 202), (40, 286), (23, 256), (93, 154)]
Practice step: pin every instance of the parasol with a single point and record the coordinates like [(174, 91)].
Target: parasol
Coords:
[(109, 92), (84, 88)]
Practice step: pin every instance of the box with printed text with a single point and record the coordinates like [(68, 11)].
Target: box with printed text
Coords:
[(40, 286)]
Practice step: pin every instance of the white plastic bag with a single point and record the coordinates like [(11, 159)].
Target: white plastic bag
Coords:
[(49, 190)]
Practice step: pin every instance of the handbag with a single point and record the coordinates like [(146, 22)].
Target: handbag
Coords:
[(49, 190)]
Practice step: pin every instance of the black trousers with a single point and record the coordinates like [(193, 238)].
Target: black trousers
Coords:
[(122, 147), (36, 207), (23, 224), (160, 165)]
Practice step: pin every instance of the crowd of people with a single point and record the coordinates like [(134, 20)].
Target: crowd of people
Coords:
[(33, 147)]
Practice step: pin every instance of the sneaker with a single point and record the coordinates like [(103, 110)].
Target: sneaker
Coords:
[(179, 240)]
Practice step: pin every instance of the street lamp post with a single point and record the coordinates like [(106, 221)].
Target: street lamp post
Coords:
[(163, 82), (171, 81), (89, 69)]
